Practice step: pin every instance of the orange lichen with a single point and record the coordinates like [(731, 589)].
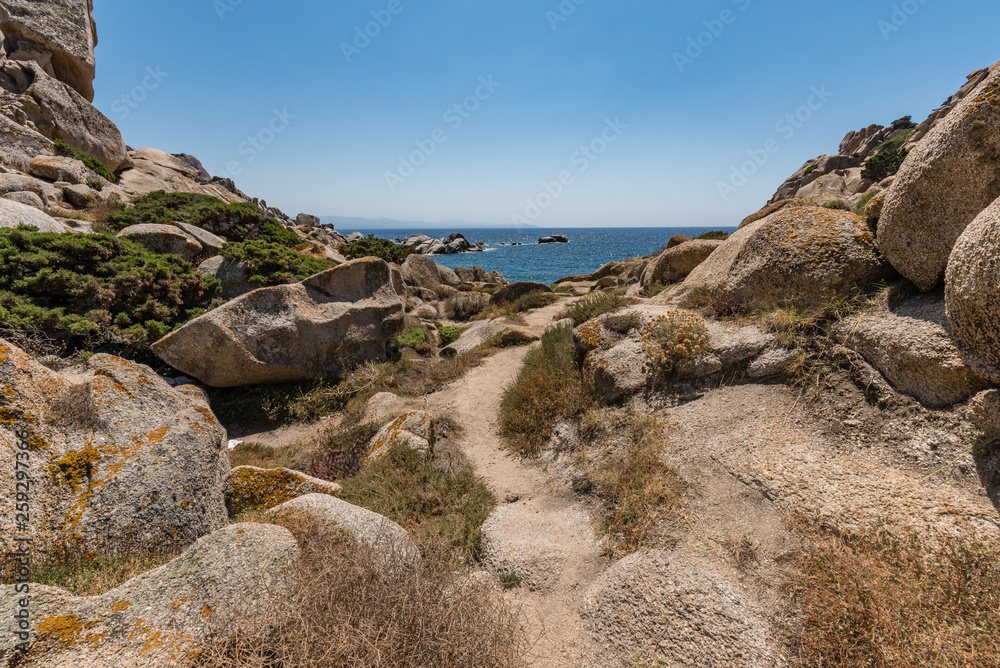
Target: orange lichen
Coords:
[(76, 467), (120, 606), (65, 629)]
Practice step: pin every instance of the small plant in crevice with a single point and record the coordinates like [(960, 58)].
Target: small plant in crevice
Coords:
[(673, 337)]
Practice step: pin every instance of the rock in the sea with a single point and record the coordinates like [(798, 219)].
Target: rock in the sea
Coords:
[(165, 239), (414, 430), (236, 578), (389, 542), (249, 488), (677, 262), (554, 239), (514, 291), (972, 292), (909, 343), (945, 182), (687, 610), (315, 329), (14, 213), (797, 256), (115, 455)]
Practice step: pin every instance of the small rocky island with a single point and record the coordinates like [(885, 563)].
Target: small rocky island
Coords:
[(554, 239)]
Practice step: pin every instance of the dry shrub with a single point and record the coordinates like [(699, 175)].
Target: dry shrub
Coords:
[(528, 302), (673, 337), (419, 377), (348, 608), (466, 305), (261, 456), (549, 388), (896, 600), (595, 305), (341, 452)]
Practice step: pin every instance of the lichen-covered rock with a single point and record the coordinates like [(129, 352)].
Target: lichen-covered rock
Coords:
[(388, 541), (14, 213), (676, 263), (476, 335), (984, 412), (235, 578), (774, 208), (619, 371), (57, 168), (972, 291), (381, 405), (210, 243), (909, 343), (115, 455), (414, 430), (514, 291), (315, 329), (249, 488), (81, 196), (165, 239), (422, 272), (875, 206), (27, 198), (232, 276), (800, 256), (945, 182)]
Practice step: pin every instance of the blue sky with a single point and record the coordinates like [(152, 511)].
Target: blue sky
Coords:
[(302, 111)]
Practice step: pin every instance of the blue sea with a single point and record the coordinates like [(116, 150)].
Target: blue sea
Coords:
[(587, 251)]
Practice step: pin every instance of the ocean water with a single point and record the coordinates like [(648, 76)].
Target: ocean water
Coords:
[(587, 251)]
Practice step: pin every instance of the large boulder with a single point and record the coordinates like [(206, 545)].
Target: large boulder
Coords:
[(945, 182), (232, 276), (315, 329), (49, 194), (422, 272), (677, 262), (57, 168), (59, 112), (972, 291), (482, 332), (165, 239), (619, 371), (115, 455), (14, 213), (228, 581), (909, 343), (58, 35), (210, 243), (155, 170), (797, 256), (514, 291), (249, 488)]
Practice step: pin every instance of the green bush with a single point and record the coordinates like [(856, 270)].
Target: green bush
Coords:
[(411, 338), (834, 204), (888, 158), (380, 248), (90, 161), (449, 335), (77, 288), (714, 236), (810, 169), (270, 263), (904, 123)]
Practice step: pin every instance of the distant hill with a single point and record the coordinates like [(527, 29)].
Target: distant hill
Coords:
[(346, 223)]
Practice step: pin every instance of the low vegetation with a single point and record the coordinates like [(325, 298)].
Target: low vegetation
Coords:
[(341, 451), (85, 290), (261, 456), (595, 305), (549, 388), (268, 264), (90, 161), (859, 210), (418, 339), (881, 599), (449, 334), (466, 305), (528, 302), (90, 575), (716, 235), (836, 204), (380, 248), (234, 222), (887, 158), (673, 337)]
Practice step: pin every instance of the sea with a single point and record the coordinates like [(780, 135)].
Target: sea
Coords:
[(587, 251)]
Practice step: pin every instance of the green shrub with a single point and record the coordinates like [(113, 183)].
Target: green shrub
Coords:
[(270, 264), (904, 123), (466, 305), (90, 161), (810, 169), (595, 305), (863, 204), (888, 158), (380, 248), (449, 335), (714, 236), (834, 204), (413, 337), (77, 288)]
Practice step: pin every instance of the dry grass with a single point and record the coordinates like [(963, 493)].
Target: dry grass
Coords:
[(90, 576), (527, 302), (416, 378), (549, 388), (886, 600), (597, 304), (261, 456), (348, 609)]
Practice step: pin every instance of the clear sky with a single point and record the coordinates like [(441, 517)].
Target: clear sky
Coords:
[(304, 109)]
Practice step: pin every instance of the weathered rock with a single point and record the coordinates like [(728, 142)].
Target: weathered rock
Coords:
[(307, 220), (310, 330), (229, 580), (166, 239), (232, 276), (554, 239), (80, 196), (797, 256), (495, 278), (774, 208), (13, 214), (515, 291), (909, 343), (677, 240), (59, 35), (619, 371), (414, 430), (774, 362), (676, 263), (388, 541), (381, 405), (422, 272), (478, 334), (699, 366), (59, 112), (21, 143), (57, 168), (449, 277), (47, 192), (873, 210), (155, 170), (972, 291), (27, 198), (984, 412), (116, 455), (210, 243), (249, 488), (945, 182), (688, 611), (467, 275)]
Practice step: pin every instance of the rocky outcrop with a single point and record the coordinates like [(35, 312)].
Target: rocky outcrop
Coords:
[(414, 430), (619, 371), (972, 291), (249, 488), (224, 582), (164, 239), (422, 272), (984, 412), (909, 343), (483, 331), (451, 245), (676, 263), (155, 170), (947, 180), (315, 329), (554, 239), (14, 213), (797, 256), (232, 276), (115, 455), (514, 291)]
